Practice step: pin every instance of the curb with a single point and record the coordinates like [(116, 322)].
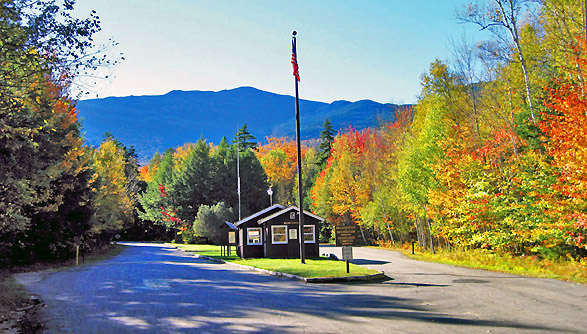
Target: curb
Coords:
[(364, 278)]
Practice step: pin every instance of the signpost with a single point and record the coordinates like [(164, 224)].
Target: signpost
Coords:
[(346, 236), (413, 238), (347, 255)]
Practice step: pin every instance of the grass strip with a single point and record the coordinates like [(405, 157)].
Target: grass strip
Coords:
[(313, 268), (567, 270)]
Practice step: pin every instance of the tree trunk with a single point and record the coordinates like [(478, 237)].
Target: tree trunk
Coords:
[(363, 235), (430, 234), (390, 234)]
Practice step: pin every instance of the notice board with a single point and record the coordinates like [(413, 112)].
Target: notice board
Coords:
[(346, 234)]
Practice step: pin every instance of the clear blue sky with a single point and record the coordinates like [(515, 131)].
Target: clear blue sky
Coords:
[(347, 50)]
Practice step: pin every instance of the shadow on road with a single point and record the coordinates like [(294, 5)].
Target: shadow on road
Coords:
[(365, 262), (156, 289)]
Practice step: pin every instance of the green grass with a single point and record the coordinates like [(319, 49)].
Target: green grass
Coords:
[(209, 250), (321, 267), (573, 271)]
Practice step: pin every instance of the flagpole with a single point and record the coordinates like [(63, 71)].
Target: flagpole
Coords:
[(238, 178), (300, 197)]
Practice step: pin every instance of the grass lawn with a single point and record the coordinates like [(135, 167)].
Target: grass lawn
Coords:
[(321, 267), (209, 250), (313, 268), (573, 271)]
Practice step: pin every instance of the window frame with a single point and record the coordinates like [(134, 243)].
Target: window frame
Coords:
[(273, 227), (249, 229), (313, 241)]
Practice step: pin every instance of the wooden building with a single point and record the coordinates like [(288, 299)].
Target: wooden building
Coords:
[(274, 233), (250, 234)]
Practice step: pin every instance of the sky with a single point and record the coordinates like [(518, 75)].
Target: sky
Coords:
[(347, 50)]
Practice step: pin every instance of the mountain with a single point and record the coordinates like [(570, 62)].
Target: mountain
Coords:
[(157, 122)]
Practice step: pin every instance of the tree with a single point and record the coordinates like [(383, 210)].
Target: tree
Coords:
[(279, 160), (210, 218), (496, 16), (326, 140), (114, 206), (244, 139), (253, 182), (155, 200), (191, 184)]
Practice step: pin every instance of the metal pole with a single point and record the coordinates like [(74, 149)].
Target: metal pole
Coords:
[(300, 197), (238, 178)]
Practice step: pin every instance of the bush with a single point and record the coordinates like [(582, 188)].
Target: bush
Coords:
[(209, 219)]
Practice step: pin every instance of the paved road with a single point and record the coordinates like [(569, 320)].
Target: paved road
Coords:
[(157, 289)]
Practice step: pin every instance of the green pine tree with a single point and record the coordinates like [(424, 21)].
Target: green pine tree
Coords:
[(326, 140)]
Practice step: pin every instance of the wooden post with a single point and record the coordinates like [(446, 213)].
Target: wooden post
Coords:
[(77, 255)]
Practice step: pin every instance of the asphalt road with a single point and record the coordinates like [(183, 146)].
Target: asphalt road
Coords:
[(156, 289)]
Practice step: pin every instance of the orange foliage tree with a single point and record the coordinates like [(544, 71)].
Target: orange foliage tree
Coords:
[(279, 160)]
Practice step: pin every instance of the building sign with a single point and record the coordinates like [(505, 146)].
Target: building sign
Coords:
[(293, 234), (346, 234), (231, 237)]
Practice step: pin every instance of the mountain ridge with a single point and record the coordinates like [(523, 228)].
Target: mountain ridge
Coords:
[(156, 122)]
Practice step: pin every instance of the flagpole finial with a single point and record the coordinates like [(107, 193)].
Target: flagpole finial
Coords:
[(294, 33)]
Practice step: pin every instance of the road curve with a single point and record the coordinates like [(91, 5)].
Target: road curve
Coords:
[(151, 288)]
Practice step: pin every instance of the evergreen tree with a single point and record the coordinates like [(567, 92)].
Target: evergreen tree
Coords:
[(220, 187), (191, 186), (326, 140), (253, 182), (245, 139)]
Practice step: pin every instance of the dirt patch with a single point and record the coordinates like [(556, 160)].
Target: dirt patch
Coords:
[(25, 319)]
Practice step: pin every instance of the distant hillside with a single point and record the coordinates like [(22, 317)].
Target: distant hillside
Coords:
[(152, 123)]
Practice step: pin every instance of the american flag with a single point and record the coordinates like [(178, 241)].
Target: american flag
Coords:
[(294, 61)]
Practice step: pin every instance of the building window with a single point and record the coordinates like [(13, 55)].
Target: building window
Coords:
[(292, 215), (309, 234), (279, 234), (254, 236)]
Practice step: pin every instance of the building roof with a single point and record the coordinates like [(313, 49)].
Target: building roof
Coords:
[(259, 213), (228, 225), (279, 213)]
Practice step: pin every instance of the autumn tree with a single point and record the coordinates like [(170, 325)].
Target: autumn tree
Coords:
[(498, 16), (45, 197), (279, 160), (114, 203)]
